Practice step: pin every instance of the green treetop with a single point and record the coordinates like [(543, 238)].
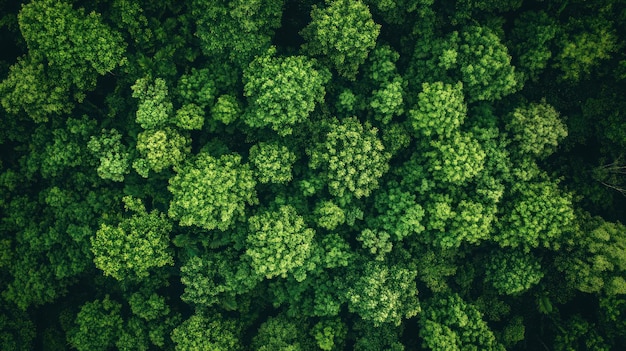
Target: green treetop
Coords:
[(440, 109), (485, 65), (280, 333), (597, 261), (342, 33), (189, 117), (351, 157), (70, 39), (272, 162), (282, 91), (329, 215), (585, 46), (536, 129), (196, 87), (160, 149), (398, 213), (31, 89), (211, 192), (97, 326), (114, 157), (449, 323), (456, 160), (387, 102), (207, 332), (134, 247), (538, 215), (155, 107), (217, 278), (279, 242), (513, 272), (68, 49), (532, 34), (384, 294), (236, 30)]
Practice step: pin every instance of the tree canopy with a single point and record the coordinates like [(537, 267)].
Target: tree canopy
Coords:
[(312, 175)]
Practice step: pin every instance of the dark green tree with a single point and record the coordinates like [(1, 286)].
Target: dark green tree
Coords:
[(67, 50), (97, 326), (342, 33)]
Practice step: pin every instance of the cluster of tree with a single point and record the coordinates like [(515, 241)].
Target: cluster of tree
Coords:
[(312, 175)]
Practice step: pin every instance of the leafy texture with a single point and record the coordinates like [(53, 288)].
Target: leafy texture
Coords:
[(200, 332), (282, 91), (279, 242), (537, 129), (513, 272), (351, 157), (449, 323), (272, 162), (383, 294), (486, 68), (440, 110), (211, 192), (134, 247), (342, 33)]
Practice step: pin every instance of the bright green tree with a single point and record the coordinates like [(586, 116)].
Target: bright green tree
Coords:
[(330, 334), (160, 149), (538, 216), (440, 110), (279, 242), (279, 333), (387, 102), (133, 248), (189, 117), (398, 213), (217, 278), (536, 128), (67, 50), (376, 243), (31, 89), (384, 294), (597, 261), (211, 192), (282, 92), (329, 215), (351, 158), (272, 162), (456, 160), (485, 65), (155, 107), (197, 87), (207, 332), (114, 157), (449, 323), (236, 30), (226, 109)]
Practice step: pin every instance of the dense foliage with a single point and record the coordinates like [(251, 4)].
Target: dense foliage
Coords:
[(312, 175)]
